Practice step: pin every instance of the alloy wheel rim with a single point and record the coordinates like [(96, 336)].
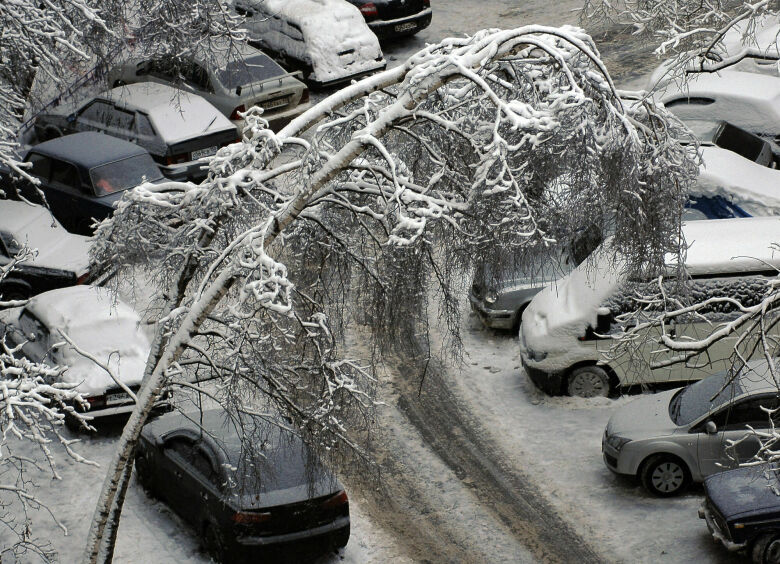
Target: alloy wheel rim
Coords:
[(667, 477)]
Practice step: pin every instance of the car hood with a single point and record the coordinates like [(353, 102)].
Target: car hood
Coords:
[(647, 416), (744, 491)]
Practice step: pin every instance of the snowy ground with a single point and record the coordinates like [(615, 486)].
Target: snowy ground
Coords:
[(558, 441)]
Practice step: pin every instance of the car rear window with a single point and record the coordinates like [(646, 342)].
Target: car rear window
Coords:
[(122, 175), (248, 71)]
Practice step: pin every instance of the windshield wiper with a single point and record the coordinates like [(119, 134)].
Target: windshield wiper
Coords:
[(209, 125)]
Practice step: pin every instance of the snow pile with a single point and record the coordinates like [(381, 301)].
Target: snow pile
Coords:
[(330, 35), (754, 188)]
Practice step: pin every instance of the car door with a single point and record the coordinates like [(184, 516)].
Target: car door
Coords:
[(191, 475), (93, 117), (65, 194), (35, 336), (714, 451)]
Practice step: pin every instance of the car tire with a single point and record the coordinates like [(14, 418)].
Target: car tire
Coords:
[(589, 382), (214, 543), (766, 549), (341, 538), (50, 133), (664, 475), (144, 475), (73, 423), (14, 292)]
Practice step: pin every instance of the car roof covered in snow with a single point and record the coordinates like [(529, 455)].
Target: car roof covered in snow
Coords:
[(79, 306), (758, 88), (176, 115), (88, 149)]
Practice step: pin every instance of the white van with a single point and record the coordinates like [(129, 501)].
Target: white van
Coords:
[(328, 40), (564, 334)]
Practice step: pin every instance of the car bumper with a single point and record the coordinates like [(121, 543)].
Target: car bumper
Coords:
[(549, 382), (408, 25), (326, 530), (718, 534), (494, 318), (194, 171)]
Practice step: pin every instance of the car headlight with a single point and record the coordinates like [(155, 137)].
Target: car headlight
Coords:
[(617, 442), (536, 356), (491, 296)]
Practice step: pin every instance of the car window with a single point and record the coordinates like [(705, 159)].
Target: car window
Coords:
[(143, 125), (744, 413), (97, 112), (197, 76), (37, 334), (9, 246), (65, 174), (156, 68), (692, 101), (696, 399), (120, 119), (41, 166), (124, 174), (193, 457), (246, 71)]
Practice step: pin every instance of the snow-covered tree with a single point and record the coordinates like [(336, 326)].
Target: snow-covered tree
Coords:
[(696, 34), (371, 208)]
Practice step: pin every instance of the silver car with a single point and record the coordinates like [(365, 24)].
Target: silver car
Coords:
[(671, 438), (233, 78)]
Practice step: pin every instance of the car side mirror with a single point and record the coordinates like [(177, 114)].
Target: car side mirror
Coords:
[(71, 118), (710, 428)]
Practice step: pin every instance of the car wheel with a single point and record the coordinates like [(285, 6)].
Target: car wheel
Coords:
[(664, 475), (118, 83), (214, 543), (13, 292), (143, 474), (766, 550), (73, 423), (589, 382), (51, 133)]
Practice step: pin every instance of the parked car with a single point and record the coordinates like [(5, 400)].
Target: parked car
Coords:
[(244, 496), (742, 511), (61, 259), (565, 331), (395, 18), (327, 39), (232, 77), (83, 175), (176, 128), (746, 99), (98, 323), (673, 437), (719, 133)]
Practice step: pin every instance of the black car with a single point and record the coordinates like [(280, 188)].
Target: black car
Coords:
[(742, 511), (62, 259), (84, 174), (395, 18), (249, 488)]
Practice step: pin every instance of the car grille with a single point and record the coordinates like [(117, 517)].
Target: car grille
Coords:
[(720, 522), (611, 461)]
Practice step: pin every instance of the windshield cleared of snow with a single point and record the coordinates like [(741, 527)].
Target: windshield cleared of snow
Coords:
[(706, 395), (125, 174), (248, 71)]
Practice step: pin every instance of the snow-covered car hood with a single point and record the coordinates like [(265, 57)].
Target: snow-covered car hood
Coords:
[(754, 188), (645, 417)]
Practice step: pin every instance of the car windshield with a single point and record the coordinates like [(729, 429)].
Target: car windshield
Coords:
[(248, 71), (706, 395), (121, 175)]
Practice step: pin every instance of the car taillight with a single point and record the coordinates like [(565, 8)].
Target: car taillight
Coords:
[(83, 278), (369, 10), (336, 500), (304, 96), (96, 401), (176, 159), (234, 116), (249, 518)]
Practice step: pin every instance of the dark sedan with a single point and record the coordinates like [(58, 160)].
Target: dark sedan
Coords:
[(84, 174), (395, 18), (742, 510), (250, 489)]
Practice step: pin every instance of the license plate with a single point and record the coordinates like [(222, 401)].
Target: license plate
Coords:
[(117, 398), (405, 26), (207, 152), (278, 103)]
